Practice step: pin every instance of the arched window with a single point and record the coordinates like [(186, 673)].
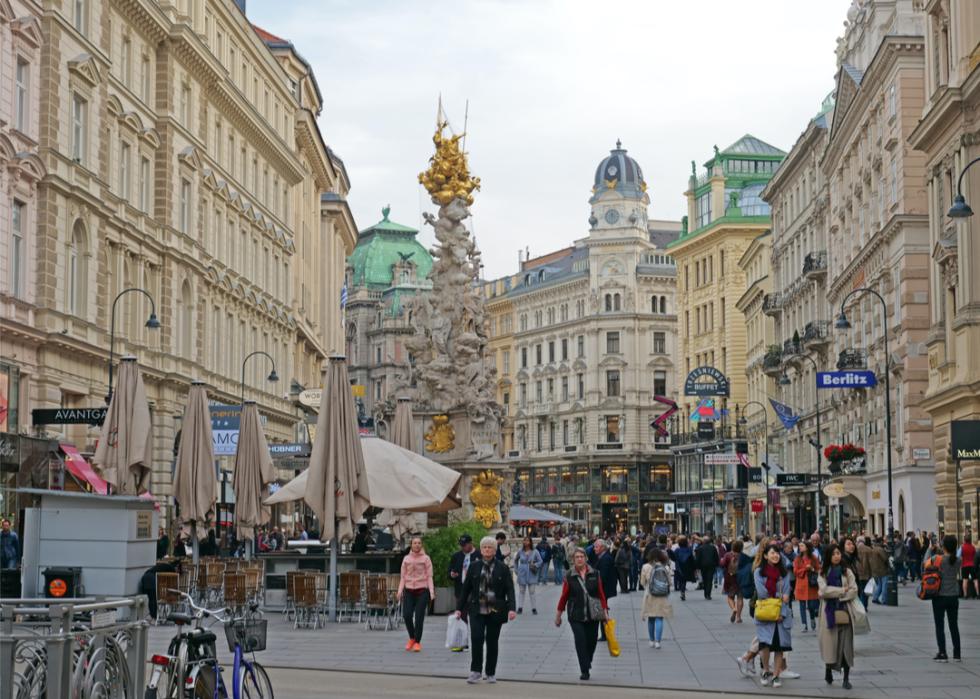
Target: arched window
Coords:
[(185, 321), (608, 302), (616, 305), (77, 270)]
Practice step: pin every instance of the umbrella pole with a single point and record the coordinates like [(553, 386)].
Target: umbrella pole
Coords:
[(333, 579), (195, 544)]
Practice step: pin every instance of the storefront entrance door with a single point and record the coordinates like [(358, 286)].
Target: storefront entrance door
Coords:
[(614, 518)]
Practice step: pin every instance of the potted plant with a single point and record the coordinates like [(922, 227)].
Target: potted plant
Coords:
[(441, 544), (837, 454)]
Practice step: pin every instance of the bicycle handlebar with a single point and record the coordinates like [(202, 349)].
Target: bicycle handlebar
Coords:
[(201, 612)]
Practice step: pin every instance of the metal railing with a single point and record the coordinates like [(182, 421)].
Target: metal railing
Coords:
[(771, 303), (817, 332), (773, 358), (73, 648), (852, 359), (815, 263)]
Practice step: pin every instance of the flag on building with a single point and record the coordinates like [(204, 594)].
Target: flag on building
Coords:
[(343, 296), (785, 414)]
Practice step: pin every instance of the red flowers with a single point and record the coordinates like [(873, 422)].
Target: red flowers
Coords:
[(842, 452)]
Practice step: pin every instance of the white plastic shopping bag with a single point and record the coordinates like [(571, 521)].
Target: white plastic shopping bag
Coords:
[(457, 633), (869, 589)]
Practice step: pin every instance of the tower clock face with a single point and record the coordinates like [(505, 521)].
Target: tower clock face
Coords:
[(612, 216), (611, 171)]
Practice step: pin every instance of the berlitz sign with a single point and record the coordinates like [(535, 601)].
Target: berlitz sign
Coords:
[(706, 381), (846, 379), (965, 440)]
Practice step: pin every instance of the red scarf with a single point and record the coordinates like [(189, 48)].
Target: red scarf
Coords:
[(771, 574)]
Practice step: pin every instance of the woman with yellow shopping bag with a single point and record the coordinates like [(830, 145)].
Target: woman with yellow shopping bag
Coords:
[(773, 613), (582, 594)]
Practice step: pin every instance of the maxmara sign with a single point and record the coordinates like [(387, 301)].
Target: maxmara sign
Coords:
[(965, 440)]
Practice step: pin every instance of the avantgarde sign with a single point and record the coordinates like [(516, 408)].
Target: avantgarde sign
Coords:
[(965, 440), (706, 381)]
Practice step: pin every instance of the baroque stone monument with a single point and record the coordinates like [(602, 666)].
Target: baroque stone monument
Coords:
[(453, 385)]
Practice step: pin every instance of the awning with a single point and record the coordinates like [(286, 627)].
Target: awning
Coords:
[(523, 513), (82, 469)]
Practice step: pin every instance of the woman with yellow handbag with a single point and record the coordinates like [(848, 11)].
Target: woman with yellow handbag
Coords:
[(835, 625), (773, 613)]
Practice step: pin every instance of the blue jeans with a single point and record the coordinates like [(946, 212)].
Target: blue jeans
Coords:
[(881, 585), (543, 573), (655, 628), (559, 573), (812, 606)]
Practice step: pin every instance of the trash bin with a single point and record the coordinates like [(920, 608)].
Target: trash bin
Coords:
[(10, 584), (891, 590), (63, 582)]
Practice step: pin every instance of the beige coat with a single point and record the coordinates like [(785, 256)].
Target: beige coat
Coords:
[(837, 642), (654, 606)]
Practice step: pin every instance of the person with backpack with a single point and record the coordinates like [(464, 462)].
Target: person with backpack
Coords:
[(683, 558), (707, 560), (655, 579), (731, 586), (939, 584), (544, 549)]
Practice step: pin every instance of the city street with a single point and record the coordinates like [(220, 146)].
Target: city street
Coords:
[(698, 653)]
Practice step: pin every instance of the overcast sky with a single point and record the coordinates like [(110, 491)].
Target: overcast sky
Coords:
[(551, 86)]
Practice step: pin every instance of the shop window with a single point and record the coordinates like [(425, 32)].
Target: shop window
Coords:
[(615, 479)]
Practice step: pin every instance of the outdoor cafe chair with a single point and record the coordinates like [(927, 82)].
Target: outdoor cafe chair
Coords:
[(306, 601), (352, 595), (377, 603), (289, 610), (235, 595), (167, 599), (252, 585), (214, 579)]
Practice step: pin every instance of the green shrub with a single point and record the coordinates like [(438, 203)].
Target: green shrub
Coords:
[(442, 543)]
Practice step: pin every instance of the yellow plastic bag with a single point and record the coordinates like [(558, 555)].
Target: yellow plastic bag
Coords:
[(609, 625)]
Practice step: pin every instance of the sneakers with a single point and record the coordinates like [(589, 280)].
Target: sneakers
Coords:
[(584, 676), (777, 681), (656, 645), (491, 679), (941, 658), (744, 667), (766, 679), (474, 678), (789, 675), (417, 647), (652, 644), (410, 645)]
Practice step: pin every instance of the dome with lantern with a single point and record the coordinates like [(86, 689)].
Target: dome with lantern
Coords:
[(620, 173)]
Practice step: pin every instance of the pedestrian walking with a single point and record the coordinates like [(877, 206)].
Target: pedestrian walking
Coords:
[(968, 567), (415, 590), (488, 599), (655, 579), (837, 587), (559, 560), (946, 603), (527, 563), (606, 567), (544, 550), (683, 558), (9, 546), (806, 569), (707, 561), (879, 570), (913, 548), (583, 595), (459, 565), (624, 561), (636, 563), (864, 556), (730, 586), (772, 583), (503, 548)]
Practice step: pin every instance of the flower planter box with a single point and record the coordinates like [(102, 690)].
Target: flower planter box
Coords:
[(445, 601)]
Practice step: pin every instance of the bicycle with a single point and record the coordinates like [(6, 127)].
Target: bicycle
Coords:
[(192, 666)]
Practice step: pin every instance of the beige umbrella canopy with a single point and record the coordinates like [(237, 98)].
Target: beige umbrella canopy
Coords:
[(253, 473), (195, 484), (123, 453), (400, 521), (337, 485)]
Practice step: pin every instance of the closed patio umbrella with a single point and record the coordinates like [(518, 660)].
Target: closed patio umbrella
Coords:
[(401, 522), (253, 474), (123, 454), (195, 483), (337, 485)]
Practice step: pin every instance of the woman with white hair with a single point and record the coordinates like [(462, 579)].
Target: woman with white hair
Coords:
[(488, 598)]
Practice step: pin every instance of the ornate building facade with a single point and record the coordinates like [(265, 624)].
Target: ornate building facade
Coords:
[(594, 340), (948, 133), (179, 154)]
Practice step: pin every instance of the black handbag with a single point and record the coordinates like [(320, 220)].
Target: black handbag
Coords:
[(811, 579)]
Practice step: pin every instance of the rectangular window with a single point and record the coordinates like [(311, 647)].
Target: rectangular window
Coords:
[(522, 394), (184, 219), (125, 61), (147, 79), (81, 15), (551, 389), (659, 343), (581, 386), (564, 432), (612, 383), (581, 345), (551, 351), (659, 383), (79, 117), (537, 354), (17, 249), (523, 357), (540, 443), (506, 361), (564, 349), (613, 432), (564, 389), (185, 109), (124, 156), (612, 343), (22, 105), (538, 391), (144, 185), (894, 173)]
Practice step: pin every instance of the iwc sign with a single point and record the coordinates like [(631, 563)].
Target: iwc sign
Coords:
[(706, 381)]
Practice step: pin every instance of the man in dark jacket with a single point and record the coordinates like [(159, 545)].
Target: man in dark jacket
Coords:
[(459, 564), (544, 549), (707, 560), (605, 565)]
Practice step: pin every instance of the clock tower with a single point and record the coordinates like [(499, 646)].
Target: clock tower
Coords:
[(619, 197)]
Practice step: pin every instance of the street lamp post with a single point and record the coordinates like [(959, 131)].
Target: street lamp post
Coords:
[(784, 381), (273, 376), (843, 324), (152, 323), (765, 464), (960, 209)]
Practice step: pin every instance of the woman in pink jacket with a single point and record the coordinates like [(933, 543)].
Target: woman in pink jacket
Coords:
[(415, 589)]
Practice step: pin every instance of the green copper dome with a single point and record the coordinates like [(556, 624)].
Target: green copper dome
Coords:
[(381, 247)]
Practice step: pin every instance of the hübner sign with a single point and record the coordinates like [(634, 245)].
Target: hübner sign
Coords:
[(965, 440)]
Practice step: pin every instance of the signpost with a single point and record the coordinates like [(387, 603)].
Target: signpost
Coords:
[(846, 379)]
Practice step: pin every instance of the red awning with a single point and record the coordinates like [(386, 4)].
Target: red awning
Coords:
[(77, 464)]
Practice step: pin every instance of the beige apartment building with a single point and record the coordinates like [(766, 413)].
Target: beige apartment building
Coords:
[(947, 135), (878, 238), (179, 154), (500, 351)]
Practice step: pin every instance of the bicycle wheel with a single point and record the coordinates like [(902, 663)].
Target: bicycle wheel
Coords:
[(254, 682)]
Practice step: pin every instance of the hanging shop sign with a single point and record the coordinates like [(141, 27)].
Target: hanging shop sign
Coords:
[(311, 397), (706, 381), (706, 430), (846, 379), (835, 490), (757, 506), (965, 440), (720, 459), (791, 479)]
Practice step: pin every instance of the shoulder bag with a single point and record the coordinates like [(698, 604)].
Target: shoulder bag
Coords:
[(768, 609)]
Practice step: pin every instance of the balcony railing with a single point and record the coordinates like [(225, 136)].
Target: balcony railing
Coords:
[(852, 359), (771, 304), (791, 347), (772, 360), (816, 332), (815, 264)]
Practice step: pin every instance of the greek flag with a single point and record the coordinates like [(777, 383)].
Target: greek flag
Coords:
[(785, 414), (343, 296)]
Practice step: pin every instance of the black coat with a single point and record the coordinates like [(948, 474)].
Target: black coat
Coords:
[(707, 557), (501, 584), (456, 566), (606, 567)]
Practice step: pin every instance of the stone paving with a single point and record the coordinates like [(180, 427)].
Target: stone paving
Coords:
[(699, 650)]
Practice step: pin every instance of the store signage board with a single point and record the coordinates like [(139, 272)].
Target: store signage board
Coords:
[(846, 379), (965, 440), (706, 381), (791, 479), (720, 459), (69, 416)]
